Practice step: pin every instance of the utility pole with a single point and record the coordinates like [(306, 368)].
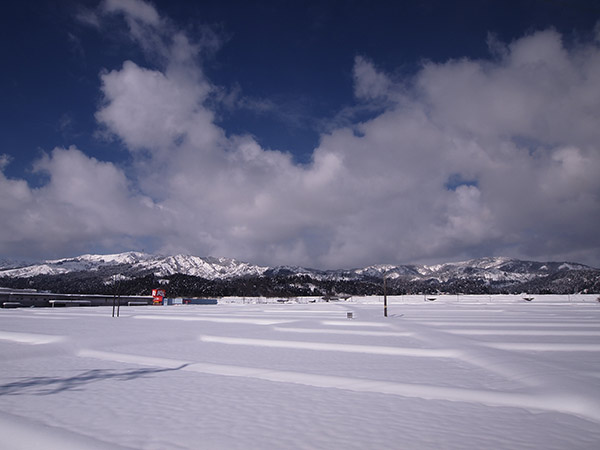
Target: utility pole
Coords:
[(116, 297), (385, 295)]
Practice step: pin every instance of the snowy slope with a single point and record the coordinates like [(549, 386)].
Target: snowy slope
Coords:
[(491, 269), (136, 262), (210, 268), (78, 264)]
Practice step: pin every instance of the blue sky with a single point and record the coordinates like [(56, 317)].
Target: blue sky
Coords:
[(327, 134)]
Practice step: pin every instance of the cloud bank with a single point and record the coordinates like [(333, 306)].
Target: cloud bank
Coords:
[(466, 158)]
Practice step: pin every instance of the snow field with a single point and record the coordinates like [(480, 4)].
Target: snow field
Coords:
[(432, 375)]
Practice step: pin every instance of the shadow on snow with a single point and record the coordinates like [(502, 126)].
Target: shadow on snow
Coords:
[(54, 385)]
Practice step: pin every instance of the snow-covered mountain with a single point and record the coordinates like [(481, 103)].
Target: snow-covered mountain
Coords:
[(490, 269), (209, 267), (138, 273), (136, 264)]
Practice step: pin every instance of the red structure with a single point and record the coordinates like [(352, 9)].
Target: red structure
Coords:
[(158, 296)]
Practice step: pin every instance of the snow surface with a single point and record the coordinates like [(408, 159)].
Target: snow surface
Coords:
[(490, 372)]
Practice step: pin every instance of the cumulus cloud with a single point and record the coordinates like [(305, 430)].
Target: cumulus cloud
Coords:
[(467, 158), (85, 203)]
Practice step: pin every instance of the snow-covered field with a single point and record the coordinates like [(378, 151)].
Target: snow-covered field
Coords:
[(442, 374)]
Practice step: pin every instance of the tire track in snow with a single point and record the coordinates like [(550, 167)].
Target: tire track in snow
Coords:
[(345, 332), (488, 332), (347, 323), (331, 347), (543, 346), (511, 324), (239, 320), (30, 338)]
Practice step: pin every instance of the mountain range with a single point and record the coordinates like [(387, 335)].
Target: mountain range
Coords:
[(137, 263), (477, 275), (133, 264)]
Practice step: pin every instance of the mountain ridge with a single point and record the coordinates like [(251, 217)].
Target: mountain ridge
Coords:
[(132, 264)]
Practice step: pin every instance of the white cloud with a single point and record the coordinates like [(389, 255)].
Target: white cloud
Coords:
[(85, 201), (521, 129), (151, 110), (369, 84), (538, 90), (134, 10)]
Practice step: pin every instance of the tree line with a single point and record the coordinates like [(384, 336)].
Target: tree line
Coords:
[(293, 285)]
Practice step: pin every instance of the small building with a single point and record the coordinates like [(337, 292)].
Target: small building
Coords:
[(10, 298)]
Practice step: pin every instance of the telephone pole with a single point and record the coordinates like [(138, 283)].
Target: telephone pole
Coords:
[(385, 295)]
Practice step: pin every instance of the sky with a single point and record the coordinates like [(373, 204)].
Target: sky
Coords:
[(328, 134)]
